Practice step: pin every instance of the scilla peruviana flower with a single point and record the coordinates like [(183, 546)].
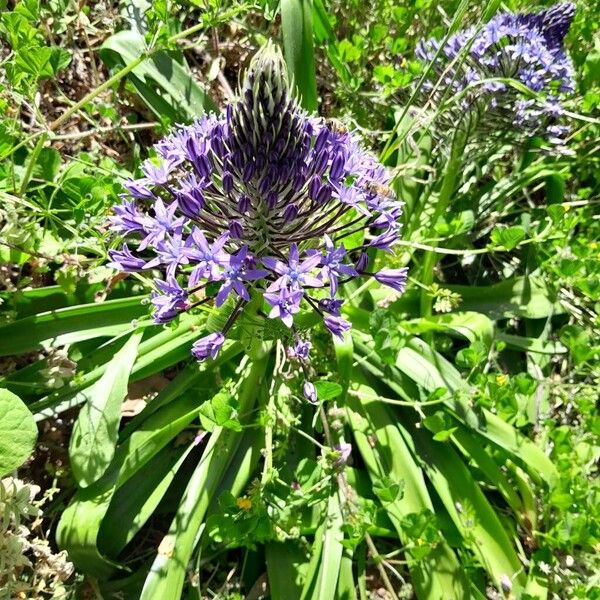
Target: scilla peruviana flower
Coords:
[(258, 201), (508, 76)]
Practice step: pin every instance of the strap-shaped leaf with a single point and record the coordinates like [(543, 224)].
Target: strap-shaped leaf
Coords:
[(297, 30), (95, 433)]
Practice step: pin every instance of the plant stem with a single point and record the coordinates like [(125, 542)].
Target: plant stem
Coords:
[(445, 195), (95, 92), (32, 160)]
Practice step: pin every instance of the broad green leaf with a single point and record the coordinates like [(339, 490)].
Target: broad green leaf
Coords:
[(80, 523), (432, 371), (331, 554), (528, 297), (528, 344), (298, 45), (346, 587), (386, 454), (471, 325), (135, 501), (69, 325), (18, 432), (286, 569), (163, 349), (469, 509), (179, 95), (95, 433), (327, 390), (221, 410), (167, 574), (508, 237)]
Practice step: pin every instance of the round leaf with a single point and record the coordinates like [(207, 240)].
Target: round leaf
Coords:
[(18, 432)]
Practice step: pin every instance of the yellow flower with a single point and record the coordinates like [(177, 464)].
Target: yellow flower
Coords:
[(501, 379), (244, 503)]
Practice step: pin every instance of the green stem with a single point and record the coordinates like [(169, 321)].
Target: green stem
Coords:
[(32, 160), (446, 191), (120, 74), (95, 92)]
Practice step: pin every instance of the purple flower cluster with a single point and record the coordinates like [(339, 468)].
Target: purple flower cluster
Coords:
[(473, 67), (258, 202)]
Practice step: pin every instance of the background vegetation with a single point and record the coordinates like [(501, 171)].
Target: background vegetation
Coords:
[(473, 425)]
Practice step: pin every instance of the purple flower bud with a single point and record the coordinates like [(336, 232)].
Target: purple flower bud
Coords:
[(203, 166), (227, 182), (394, 278), (331, 306), (265, 185), (310, 392), (321, 140), (290, 213), (271, 200), (336, 325), (192, 149), (314, 187), (190, 204), (362, 263), (208, 346), (324, 194), (320, 162), (236, 230), (299, 181), (337, 167), (248, 172), (244, 203)]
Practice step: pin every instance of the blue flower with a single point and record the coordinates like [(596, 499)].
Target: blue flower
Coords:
[(394, 278), (259, 199), (285, 304), (169, 300), (527, 48), (336, 325), (208, 346), (294, 274), (125, 261), (237, 272)]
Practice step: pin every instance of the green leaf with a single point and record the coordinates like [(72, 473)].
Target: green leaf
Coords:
[(387, 454), (297, 31), (388, 490), (286, 569), (18, 432), (168, 571), (471, 325), (79, 526), (70, 325), (331, 554), (327, 390), (469, 509), (95, 433), (178, 95), (221, 410), (528, 344), (509, 237), (529, 297)]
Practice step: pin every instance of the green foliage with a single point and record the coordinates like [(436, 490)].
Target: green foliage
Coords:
[(18, 432), (469, 402)]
